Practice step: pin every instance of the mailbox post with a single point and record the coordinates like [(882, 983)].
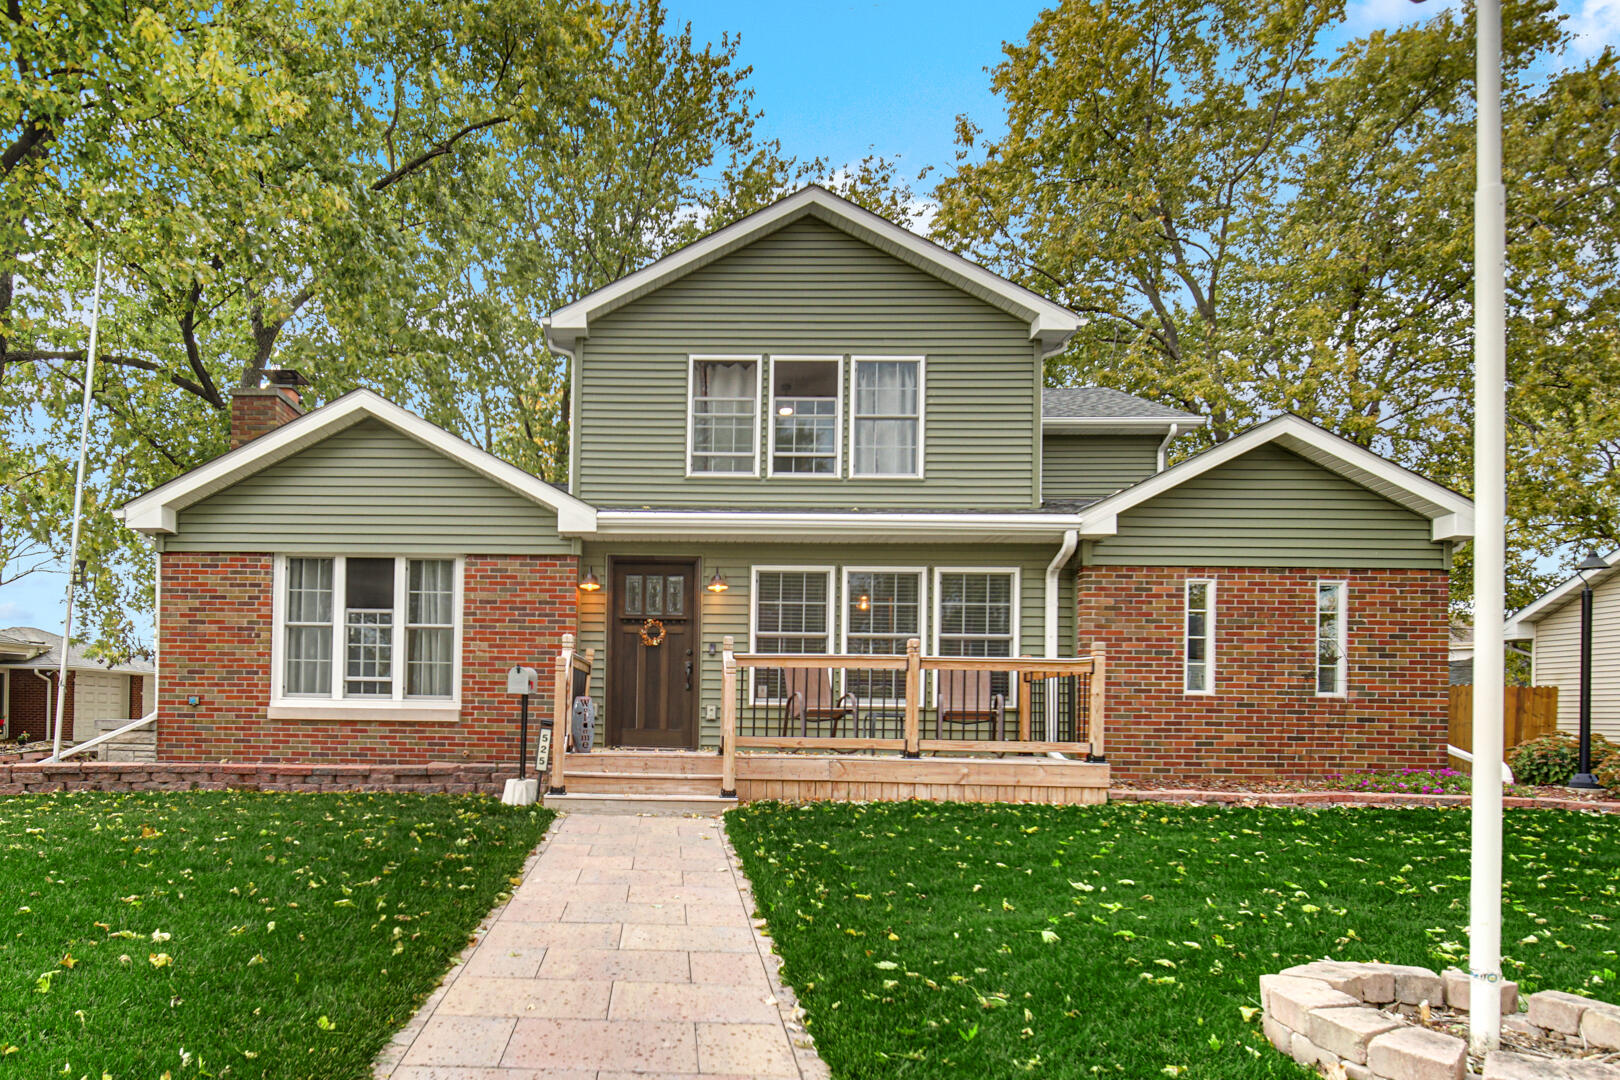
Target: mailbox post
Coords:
[(522, 791)]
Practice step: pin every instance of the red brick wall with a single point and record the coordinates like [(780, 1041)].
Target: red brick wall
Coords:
[(137, 697), (260, 411), (214, 630), (32, 701), (1265, 721)]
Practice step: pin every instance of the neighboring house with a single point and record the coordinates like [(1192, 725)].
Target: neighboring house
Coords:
[(1462, 653), (1552, 624), (819, 433), (100, 696)]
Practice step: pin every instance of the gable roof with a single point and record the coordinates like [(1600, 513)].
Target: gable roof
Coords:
[(157, 511), (1100, 409), (1050, 325), (1451, 515), (1522, 624), (45, 652)]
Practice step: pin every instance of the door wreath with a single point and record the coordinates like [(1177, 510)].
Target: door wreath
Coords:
[(652, 633)]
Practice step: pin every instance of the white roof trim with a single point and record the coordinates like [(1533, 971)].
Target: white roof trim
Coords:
[(1050, 324), (1522, 624), (157, 511), (818, 525), (1451, 514)]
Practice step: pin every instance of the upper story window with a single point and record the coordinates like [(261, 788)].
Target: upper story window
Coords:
[(886, 418), (805, 396), (367, 628), (1199, 636), (1330, 638), (723, 436)]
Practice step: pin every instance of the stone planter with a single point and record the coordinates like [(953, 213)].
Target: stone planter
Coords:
[(1369, 1022)]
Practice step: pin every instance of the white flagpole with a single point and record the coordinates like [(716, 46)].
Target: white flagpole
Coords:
[(1490, 542), (78, 511)]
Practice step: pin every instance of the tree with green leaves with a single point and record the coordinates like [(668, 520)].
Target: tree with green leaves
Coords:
[(1255, 223), (380, 193)]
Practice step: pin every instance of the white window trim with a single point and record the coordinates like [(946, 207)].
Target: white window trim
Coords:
[(315, 707), (838, 420), (692, 360), (1344, 638), (753, 610), (922, 601), (1016, 616), (1209, 635), (922, 416)]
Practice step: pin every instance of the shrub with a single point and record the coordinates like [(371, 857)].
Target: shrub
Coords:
[(1405, 781), (1553, 759), (1608, 774)]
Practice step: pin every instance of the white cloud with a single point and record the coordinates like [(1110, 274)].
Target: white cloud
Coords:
[(1594, 23)]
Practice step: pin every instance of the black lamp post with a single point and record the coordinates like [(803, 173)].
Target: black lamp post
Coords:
[(1583, 776)]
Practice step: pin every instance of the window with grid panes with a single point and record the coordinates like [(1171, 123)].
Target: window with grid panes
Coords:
[(883, 608), (792, 614)]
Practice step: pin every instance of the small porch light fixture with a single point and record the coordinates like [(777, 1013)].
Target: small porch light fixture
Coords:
[(590, 583), (863, 603), (784, 410), (717, 583)]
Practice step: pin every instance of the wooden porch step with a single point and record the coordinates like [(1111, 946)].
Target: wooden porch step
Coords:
[(668, 762), (641, 783), (584, 803)]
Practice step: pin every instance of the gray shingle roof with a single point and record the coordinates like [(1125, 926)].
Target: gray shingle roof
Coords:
[(46, 647), (1099, 402)]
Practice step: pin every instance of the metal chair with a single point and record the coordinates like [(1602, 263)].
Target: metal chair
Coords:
[(809, 700)]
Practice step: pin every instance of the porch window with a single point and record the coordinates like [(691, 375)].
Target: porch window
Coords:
[(805, 394), (883, 608), (974, 616), (1331, 646), (724, 433), (1199, 624), (887, 417), (381, 597), (792, 614)]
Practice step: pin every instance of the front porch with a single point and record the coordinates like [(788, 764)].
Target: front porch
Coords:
[(799, 728)]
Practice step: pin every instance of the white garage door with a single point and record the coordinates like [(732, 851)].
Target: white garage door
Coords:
[(99, 702)]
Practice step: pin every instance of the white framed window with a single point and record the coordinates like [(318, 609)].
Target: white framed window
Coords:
[(883, 608), (722, 430), (1332, 644), (355, 631), (976, 614), (806, 416), (1198, 632), (791, 613), (886, 416)]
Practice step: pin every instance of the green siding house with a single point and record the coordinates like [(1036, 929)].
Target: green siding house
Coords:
[(811, 432)]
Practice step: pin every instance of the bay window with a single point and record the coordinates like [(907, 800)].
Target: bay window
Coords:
[(368, 629), (886, 417), (723, 436)]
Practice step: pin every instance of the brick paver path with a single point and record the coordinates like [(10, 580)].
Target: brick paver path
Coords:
[(626, 952)]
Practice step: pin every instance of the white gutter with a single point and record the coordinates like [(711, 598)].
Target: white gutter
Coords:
[(1071, 540), (45, 677), (797, 524), (1144, 425), (1507, 770), (1175, 429)]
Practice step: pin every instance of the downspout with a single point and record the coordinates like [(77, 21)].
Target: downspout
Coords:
[(1054, 569), (50, 699), (1175, 429)]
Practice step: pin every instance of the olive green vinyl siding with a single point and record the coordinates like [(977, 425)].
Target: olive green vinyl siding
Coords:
[(728, 612), (1270, 508), (1079, 467), (808, 288), (369, 489)]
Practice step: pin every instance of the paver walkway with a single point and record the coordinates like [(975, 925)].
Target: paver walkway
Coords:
[(626, 952)]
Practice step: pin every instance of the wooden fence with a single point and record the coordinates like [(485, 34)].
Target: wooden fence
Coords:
[(1527, 711)]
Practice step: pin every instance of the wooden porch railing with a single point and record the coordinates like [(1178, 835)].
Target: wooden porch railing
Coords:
[(570, 668), (1024, 705)]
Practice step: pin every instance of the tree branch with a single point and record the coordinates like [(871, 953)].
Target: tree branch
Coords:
[(438, 150)]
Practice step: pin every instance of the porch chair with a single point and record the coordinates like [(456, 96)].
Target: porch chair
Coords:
[(966, 697), (810, 700)]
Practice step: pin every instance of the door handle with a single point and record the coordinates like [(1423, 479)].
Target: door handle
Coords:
[(689, 674)]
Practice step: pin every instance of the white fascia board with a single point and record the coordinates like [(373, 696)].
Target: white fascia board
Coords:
[(811, 525), (1452, 514), (157, 511), (1524, 620), (1050, 323), (1119, 425)]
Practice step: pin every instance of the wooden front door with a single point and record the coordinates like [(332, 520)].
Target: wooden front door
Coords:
[(652, 690)]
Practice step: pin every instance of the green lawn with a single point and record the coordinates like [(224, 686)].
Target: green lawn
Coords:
[(1128, 940), (235, 934)]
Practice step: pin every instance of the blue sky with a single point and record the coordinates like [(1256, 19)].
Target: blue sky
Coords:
[(890, 77)]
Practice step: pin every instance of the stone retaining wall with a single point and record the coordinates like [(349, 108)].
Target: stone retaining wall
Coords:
[(455, 778), (1346, 798)]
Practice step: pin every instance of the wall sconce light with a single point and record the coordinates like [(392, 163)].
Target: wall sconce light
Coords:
[(718, 582), (590, 584)]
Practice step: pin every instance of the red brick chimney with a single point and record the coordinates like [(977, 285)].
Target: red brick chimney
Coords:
[(259, 410)]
